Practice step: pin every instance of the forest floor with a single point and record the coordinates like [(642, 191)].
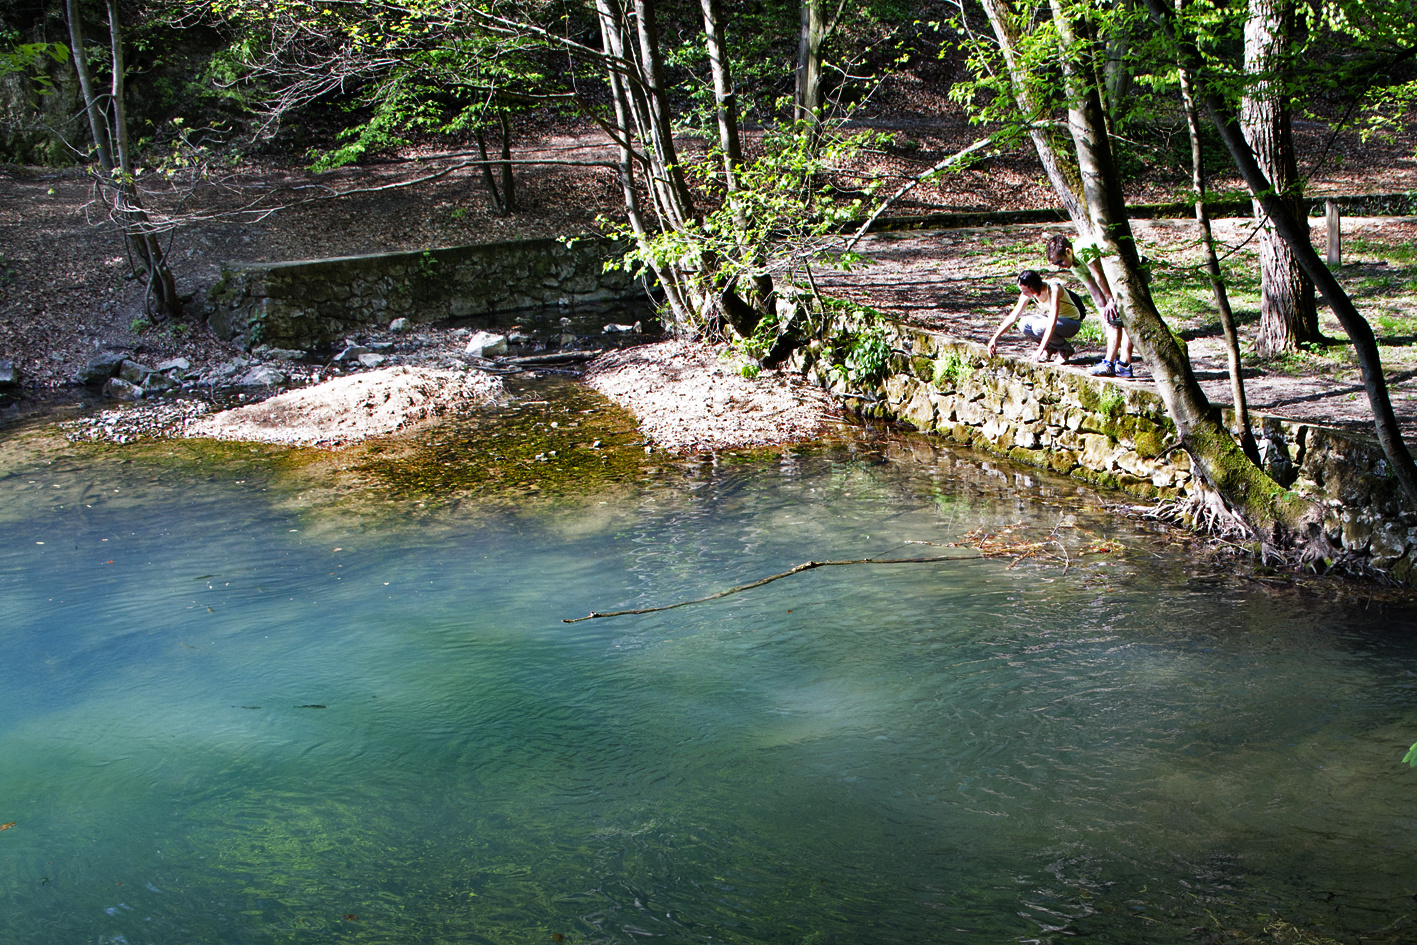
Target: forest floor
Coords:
[(66, 292)]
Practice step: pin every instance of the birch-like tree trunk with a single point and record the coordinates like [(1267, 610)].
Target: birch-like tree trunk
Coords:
[(646, 145), (1048, 140), (108, 122), (1287, 314), (731, 143)]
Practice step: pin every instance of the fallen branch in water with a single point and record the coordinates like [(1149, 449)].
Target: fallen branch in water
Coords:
[(805, 566)]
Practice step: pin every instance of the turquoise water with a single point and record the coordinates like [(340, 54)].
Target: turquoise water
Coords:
[(231, 715)]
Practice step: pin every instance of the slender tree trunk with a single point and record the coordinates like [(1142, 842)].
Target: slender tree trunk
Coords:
[(494, 196), (632, 125), (1048, 142), (509, 194), (811, 41), (1212, 268), (678, 203), (730, 141), (97, 126), (1118, 72), (117, 180), (1287, 314)]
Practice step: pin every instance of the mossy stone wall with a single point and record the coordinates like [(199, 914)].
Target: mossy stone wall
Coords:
[(1111, 433), (303, 305)]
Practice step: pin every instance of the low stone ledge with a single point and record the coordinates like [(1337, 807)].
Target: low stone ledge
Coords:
[(305, 304)]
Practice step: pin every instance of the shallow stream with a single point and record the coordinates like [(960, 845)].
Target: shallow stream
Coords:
[(250, 697)]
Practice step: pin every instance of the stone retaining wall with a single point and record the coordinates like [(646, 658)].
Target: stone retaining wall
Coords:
[(305, 305), (1109, 432)]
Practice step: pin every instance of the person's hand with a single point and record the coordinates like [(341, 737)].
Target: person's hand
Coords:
[(993, 346), (1109, 310)]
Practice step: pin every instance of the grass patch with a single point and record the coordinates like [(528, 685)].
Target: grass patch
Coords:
[(1403, 254), (1396, 324), (1092, 332)]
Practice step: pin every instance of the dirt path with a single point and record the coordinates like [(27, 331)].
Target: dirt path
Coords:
[(961, 282)]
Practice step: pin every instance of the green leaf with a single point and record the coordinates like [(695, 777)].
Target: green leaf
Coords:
[(1411, 756)]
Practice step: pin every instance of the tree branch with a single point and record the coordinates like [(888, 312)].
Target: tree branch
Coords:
[(805, 566)]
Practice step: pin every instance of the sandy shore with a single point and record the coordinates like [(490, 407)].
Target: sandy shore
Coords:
[(350, 409), (688, 397)]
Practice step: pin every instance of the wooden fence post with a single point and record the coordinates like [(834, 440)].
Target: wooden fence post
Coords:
[(1335, 239)]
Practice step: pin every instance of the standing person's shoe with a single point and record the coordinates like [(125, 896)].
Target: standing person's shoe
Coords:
[(1122, 370), (1105, 369)]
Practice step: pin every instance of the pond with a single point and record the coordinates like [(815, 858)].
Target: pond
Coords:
[(249, 698)]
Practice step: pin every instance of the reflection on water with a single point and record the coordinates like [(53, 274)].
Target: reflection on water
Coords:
[(231, 711)]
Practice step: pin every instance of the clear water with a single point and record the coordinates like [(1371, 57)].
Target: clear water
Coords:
[(230, 713)]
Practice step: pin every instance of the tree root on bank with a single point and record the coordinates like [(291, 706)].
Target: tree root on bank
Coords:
[(989, 544), (1206, 515)]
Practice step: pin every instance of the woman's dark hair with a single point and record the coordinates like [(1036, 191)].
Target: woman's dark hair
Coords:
[(1030, 280)]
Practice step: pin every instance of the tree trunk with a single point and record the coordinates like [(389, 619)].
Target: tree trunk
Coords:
[(117, 181), (1212, 268), (633, 122), (1296, 236), (509, 194), (494, 196), (1287, 314), (1047, 140), (97, 126), (1269, 513), (1118, 72), (810, 42), (162, 299), (730, 141)]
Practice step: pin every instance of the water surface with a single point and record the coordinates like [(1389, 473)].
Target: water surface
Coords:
[(233, 709)]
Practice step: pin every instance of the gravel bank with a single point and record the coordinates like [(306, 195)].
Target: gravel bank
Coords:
[(687, 397)]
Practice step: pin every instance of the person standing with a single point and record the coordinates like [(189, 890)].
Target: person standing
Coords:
[(1085, 262)]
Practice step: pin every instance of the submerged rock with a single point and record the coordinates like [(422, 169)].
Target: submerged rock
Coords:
[(485, 344), (116, 388)]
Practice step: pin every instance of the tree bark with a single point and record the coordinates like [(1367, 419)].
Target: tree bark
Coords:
[(730, 142), (810, 43), (632, 124), (1287, 314), (97, 126), (509, 193)]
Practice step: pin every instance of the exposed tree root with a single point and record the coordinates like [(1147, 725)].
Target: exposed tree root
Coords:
[(1206, 514)]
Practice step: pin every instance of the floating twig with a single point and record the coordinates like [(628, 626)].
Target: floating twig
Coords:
[(805, 566)]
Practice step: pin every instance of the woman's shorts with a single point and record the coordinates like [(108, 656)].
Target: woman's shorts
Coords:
[(1033, 327)]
